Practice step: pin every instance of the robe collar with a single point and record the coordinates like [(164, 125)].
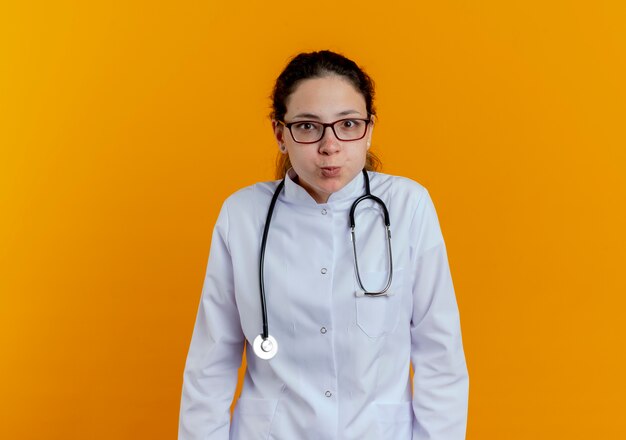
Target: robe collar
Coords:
[(296, 193)]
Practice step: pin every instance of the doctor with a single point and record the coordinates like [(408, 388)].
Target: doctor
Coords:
[(339, 335)]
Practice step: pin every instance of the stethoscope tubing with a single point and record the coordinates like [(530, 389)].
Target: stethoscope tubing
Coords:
[(265, 346), (368, 196), (266, 229)]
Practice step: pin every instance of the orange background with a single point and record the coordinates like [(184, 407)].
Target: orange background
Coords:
[(124, 125)]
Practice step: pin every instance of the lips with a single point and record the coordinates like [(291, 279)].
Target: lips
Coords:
[(330, 171)]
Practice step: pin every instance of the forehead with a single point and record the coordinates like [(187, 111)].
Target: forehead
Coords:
[(325, 96)]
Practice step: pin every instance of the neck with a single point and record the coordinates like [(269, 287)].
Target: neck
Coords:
[(319, 198)]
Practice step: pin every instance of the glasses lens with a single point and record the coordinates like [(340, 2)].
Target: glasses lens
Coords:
[(350, 129), (307, 131)]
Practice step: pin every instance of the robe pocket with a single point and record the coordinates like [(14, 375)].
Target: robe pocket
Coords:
[(252, 418), (378, 315), (395, 420)]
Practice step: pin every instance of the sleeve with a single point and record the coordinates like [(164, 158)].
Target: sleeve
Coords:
[(216, 348), (440, 380)]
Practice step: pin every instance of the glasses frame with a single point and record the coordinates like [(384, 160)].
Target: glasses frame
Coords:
[(367, 120)]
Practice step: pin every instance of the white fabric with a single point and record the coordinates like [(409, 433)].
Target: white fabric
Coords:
[(342, 367)]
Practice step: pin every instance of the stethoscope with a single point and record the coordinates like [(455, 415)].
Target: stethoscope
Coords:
[(264, 345)]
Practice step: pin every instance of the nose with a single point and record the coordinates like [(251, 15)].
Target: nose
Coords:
[(329, 143)]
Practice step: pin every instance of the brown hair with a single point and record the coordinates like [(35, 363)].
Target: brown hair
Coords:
[(315, 65)]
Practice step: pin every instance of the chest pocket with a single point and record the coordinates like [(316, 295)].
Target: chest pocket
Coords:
[(378, 315)]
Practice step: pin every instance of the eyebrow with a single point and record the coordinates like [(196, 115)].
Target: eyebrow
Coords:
[(317, 118)]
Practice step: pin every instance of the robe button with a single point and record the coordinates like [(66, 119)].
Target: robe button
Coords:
[(328, 394), (324, 212), (323, 271)]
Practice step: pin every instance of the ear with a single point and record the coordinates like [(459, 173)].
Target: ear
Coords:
[(279, 132), (369, 135)]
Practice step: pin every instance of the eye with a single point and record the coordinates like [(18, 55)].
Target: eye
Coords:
[(305, 126), (351, 123)]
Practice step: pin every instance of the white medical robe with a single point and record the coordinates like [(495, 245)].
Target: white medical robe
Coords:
[(342, 367)]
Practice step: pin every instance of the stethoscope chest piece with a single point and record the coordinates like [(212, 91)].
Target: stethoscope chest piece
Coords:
[(265, 348)]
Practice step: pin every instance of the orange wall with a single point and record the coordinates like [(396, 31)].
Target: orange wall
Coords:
[(123, 126)]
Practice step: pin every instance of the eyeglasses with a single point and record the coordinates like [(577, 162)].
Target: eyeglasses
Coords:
[(309, 132)]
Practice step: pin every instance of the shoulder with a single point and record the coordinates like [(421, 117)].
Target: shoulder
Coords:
[(243, 209), (407, 198), (413, 204), (399, 188), (249, 197)]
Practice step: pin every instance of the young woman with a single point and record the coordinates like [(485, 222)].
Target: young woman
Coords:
[(331, 304)]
